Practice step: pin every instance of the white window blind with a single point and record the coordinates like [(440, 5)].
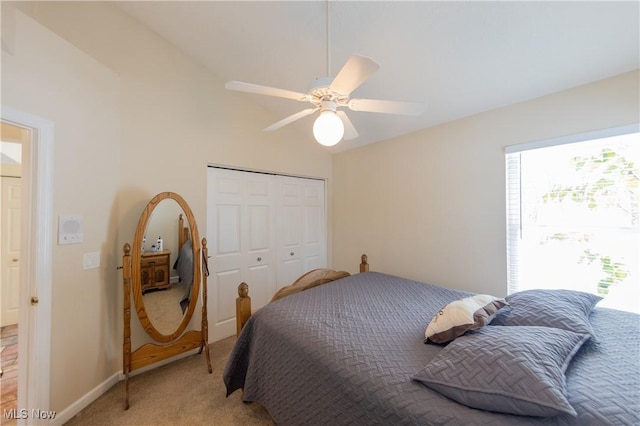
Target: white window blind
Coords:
[(573, 215), (514, 230)]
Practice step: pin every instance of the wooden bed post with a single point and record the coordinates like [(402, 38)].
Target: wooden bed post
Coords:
[(184, 234), (243, 307), (364, 265)]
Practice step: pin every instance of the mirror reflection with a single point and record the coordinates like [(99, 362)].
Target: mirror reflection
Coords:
[(166, 266)]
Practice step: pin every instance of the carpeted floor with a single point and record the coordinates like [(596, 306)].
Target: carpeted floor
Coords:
[(163, 308), (179, 393)]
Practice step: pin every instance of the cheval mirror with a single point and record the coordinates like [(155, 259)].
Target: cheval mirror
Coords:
[(163, 273)]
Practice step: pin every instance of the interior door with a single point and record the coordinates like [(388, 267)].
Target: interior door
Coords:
[(240, 235), (10, 250), (301, 227)]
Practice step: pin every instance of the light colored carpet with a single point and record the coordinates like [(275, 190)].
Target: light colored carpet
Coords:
[(179, 393), (163, 308)]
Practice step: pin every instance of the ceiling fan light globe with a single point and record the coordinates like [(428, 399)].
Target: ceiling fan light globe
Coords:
[(328, 129)]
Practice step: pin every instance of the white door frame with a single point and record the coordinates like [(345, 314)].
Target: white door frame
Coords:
[(34, 331)]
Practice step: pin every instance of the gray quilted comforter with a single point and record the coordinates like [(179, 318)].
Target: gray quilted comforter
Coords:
[(345, 352)]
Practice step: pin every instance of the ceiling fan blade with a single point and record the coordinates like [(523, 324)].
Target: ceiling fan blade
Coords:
[(354, 72), (265, 90), (350, 132), (386, 107), (290, 119)]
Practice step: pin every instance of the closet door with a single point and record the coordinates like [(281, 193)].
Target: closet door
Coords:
[(263, 229), (240, 237), (301, 230)]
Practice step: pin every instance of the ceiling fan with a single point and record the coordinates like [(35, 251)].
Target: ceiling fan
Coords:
[(327, 95)]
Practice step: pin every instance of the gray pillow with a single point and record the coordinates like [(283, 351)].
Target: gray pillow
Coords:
[(515, 370), (565, 309)]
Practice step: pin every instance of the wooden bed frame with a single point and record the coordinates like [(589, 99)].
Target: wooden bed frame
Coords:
[(243, 301), (184, 233)]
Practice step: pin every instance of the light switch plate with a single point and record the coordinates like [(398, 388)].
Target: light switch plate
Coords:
[(69, 229), (91, 260)]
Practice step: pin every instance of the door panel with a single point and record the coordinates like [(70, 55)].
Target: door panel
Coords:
[(224, 314), (260, 277), (258, 226), (289, 229), (10, 250), (224, 222), (240, 219), (302, 224), (289, 264), (228, 227), (314, 244), (259, 232)]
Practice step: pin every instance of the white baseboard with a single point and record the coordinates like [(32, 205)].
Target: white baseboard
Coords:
[(73, 409)]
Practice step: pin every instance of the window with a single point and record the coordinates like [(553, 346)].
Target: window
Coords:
[(573, 215)]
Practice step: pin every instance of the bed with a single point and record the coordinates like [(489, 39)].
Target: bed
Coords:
[(353, 351)]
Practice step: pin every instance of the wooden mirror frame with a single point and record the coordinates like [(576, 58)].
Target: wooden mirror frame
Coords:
[(136, 287), (178, 341)]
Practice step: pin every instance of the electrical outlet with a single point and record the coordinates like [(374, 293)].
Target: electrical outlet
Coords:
[(91, 260)]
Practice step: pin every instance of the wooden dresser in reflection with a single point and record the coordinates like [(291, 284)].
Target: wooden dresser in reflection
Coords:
[(154, 270)]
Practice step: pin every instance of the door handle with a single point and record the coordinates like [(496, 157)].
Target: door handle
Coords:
[(15, 259), (259, 259), (34, 300)]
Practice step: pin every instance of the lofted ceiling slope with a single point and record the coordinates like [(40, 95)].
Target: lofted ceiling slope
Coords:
[(459, 58)]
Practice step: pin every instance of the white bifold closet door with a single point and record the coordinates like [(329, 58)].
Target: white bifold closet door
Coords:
[(264, 229)]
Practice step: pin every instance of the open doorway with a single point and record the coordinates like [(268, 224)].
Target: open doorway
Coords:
[(11, 143), (30, 223)]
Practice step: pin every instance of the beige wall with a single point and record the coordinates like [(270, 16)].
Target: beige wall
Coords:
[(157, 124), (45, 76), (431, 205)]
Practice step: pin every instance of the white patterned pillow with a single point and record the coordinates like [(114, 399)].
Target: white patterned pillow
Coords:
[(460, 316)]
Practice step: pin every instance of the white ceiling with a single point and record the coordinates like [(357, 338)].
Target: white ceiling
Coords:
[(459, 58)]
